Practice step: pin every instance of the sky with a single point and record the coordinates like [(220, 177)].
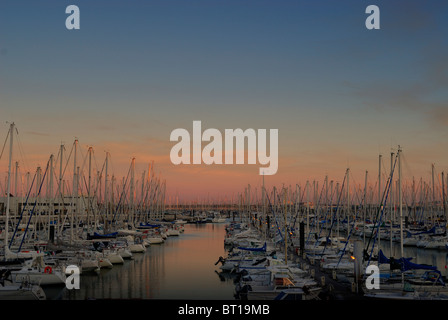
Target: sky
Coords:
[(339, 94)]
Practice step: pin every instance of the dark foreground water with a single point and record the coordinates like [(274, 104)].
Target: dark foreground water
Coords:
[(183, 267)]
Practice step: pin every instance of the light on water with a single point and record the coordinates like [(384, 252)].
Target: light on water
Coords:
[(183, 267)]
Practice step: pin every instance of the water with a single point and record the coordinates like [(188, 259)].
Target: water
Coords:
[(181, 268)]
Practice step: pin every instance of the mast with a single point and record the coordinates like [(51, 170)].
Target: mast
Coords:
[(142, 204), (286, 230), (337, 208), (400, 200), (433, 190), (391, 201), (16, 192), (106, 204), (443, 195), (112, 198), (379, 180), (263, 206), (89, 187), (326, 197), (50, 194), (132, 192), (380, 201), (365, 210), (248, 203), (348, 199), (16, 183), (60, 188), (8, 186), (74, 192), (307, 186)]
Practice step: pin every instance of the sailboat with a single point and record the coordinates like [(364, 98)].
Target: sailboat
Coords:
[(33, 269), (37, 272), (10, 290), (411, 286)]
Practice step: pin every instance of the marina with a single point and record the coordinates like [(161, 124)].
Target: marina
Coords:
[(127, 241), (185, 268), (227, 159)]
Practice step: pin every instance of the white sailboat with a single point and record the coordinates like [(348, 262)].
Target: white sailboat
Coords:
[(103, 261), (37, 272), (33, 270), (10, 290), (113, 256)]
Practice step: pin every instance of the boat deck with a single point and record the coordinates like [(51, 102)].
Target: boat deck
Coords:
[(332, 289)]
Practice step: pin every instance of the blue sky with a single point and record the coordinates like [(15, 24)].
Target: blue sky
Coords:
[(338, 93)]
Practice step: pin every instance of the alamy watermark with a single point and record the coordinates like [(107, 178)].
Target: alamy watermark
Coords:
[(373, 277), (372, 21), (72, 281), (189, 149)]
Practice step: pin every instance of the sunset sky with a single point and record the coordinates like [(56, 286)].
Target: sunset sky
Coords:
[(338, 93)]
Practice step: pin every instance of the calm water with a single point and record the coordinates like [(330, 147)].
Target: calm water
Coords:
[(181, 268), (184, 268)]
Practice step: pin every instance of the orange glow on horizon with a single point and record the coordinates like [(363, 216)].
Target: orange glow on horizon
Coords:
[(210, 182)]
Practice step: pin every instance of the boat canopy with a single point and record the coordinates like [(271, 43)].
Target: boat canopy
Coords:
[(263, 248), (149, 225), (405, 264), (104, 236), (432, 230)]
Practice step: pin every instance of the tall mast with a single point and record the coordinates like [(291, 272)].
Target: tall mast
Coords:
[(392, 217), (263, 207), (380, 200), (286, 229), (433, 188), (379, 180), (60, 191), (400, 200), (132, 192), (16, 185), (307, 186), (50, 194), (89, 187), (443, 195), (365, 209), (142, 204), (106, 200), (8, 187), (348, 199), (248, 204), (74, 192)]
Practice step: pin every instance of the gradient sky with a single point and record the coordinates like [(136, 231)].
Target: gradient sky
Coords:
[(339, 94)]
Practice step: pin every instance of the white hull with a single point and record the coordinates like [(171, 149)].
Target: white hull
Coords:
[(137, 248), (155, 240), (125, 253), (115, 258), (16, 292), (39, 277), (173, 232), (90, 265), (105, 263)]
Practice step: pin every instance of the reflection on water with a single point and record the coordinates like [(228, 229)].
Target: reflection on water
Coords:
[(181, 268), (184, 268)]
